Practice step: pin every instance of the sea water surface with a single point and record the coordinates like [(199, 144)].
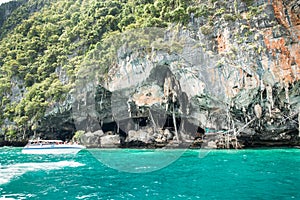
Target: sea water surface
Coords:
[(221, 174)]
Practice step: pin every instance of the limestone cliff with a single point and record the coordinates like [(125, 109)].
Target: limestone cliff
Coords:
[(231, 67), (238, 73)]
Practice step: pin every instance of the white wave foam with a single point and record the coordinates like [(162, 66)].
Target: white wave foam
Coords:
[(9, 172)]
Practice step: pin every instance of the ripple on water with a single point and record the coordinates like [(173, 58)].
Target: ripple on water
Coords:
[(19, 196), (8, 172), (247, 174)]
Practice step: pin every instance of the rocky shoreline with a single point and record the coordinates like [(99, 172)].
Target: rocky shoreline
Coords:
[(252, 145), (146, 137)]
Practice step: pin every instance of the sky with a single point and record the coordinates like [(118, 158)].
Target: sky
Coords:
[(3, 1)]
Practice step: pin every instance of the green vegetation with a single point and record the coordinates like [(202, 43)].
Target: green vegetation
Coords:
[(248, 2), (200, 10), (78, 135), (206, 29), (7, 8), (229, 17), (254, 11)]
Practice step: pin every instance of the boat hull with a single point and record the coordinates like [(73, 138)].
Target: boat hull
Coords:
[(67, 149)]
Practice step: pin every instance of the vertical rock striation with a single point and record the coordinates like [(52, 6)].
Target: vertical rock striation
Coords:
[(238, 74)]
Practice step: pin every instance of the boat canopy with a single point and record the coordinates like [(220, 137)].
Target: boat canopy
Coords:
[(38, 140), (45, 141)]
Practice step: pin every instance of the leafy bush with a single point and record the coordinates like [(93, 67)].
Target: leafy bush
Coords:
[(229, 17), (206, 29), (78, 135)]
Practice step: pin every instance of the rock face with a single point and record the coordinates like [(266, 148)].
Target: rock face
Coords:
[(98, 139), (92, 139), (242, 76), (7, 9), (140, 135), (110, 141)]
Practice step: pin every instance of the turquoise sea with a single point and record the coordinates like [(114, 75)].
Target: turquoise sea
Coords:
[(218, 174)]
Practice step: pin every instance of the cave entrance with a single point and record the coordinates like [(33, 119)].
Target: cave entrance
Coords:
[(200, 132), (143, 121), (111, 126), (169, 123)]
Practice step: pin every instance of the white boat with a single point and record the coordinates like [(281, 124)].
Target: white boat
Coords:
[(51, 147)]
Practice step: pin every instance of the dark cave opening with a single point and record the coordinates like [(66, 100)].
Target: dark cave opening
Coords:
[(169, 123)]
